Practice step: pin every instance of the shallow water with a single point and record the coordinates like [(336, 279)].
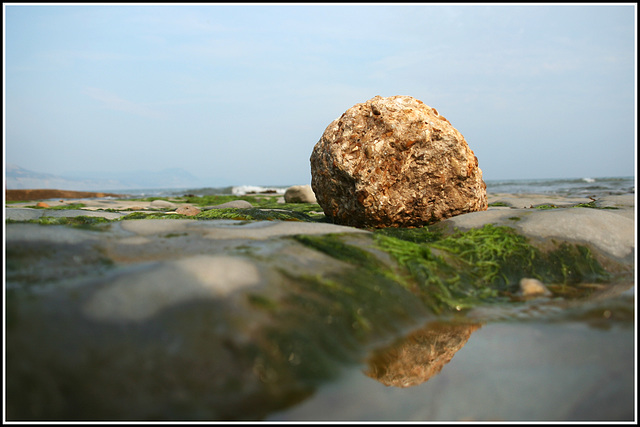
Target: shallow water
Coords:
[(538, 362), (533, 371), (565, 187)]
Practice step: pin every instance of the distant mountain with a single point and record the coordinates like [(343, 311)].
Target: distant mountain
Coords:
[(19, 178)]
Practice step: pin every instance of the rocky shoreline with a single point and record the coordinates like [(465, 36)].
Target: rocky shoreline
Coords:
[(45, 194), (126, 310)]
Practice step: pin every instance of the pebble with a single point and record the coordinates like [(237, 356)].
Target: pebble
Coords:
[(188, 210), (533, 287)]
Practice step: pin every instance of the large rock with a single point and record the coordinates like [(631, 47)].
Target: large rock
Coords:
[(395, 162)]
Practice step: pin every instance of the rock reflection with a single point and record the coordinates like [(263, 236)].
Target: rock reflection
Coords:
[(416, 358)]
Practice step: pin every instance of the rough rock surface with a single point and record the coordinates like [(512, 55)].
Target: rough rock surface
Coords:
[(300, 194), (395, 162)]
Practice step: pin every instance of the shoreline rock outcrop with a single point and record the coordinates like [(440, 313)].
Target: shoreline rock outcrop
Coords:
[(45, 194), (395, 162)]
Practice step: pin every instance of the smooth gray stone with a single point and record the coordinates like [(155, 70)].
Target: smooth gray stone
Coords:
[(26, 214), (230, 229), (610, 232), (22, 214)]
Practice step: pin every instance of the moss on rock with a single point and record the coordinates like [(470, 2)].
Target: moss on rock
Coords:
[(96, 223), (465, 269)]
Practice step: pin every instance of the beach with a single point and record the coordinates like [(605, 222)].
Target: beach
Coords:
[(122, 309)]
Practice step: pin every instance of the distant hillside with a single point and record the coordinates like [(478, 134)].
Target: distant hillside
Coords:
[(18, 178)]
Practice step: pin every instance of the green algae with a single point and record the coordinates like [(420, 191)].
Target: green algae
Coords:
[(255, 214), (485, 265), (332, 245), (95, 223), (415, 235), (320, 322), (265, 208), (262, 302), (170, 235), (592, 205), (465, 269), (312, 210), (60, 207), (325, 321), (240, 214), (152, 215)]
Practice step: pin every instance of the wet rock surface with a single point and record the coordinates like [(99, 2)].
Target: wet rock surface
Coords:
[(395, 162), (223, 319)]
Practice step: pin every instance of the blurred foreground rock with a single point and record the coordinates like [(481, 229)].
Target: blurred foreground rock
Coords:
[(183, 319)]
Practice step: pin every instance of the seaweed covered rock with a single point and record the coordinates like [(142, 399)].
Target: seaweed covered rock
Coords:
[(395, 162)]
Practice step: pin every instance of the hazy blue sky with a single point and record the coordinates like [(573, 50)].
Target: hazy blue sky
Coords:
[(240, 93)]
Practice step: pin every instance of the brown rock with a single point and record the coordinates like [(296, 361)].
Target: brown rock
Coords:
[(418, 357), (42, 205), (188, 210), (395, 162)]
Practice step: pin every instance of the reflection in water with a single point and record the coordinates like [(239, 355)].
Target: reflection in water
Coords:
[(419, 356)]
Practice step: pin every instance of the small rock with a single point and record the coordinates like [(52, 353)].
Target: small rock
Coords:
[(533, 288), (188, 210), (42, 205), (300, 194)]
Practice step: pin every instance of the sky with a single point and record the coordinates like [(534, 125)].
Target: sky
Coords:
[(239, 93)]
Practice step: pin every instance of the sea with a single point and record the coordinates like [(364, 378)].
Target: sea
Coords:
[(570, 187)]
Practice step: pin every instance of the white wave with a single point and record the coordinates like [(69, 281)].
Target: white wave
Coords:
[(588, 180), (255, 189)]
